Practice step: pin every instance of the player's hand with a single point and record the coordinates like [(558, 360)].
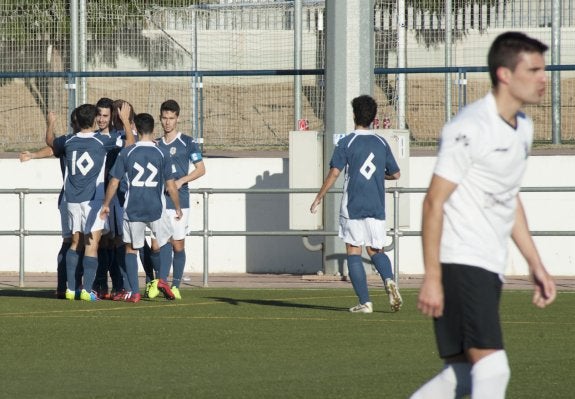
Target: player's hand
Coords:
[(179, 214), (431, 301), (104, 212), (314, 205), (545, 291), (125, 110), (179, 184), (25, 156)]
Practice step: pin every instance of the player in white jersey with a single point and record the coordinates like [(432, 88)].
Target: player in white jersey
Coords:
[(368, 162), (471, 209), (184, 152), (84, 193), (147, 169)]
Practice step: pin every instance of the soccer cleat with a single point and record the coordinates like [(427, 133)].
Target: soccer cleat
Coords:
[(362, 308), (152, 290), (395, 300), (133, 297), (88, 296), (70, 295), (166, 290), (103, 294), (176, 292), (120, 296)]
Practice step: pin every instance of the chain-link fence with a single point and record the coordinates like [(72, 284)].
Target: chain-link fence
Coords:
[(238, 108)]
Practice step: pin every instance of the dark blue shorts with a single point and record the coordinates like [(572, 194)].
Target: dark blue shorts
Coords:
[(471, 314)]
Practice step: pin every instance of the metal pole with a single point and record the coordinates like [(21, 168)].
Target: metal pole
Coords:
[(21, 233), (73, 56), (448, 41), (297, 57), (556, 75), (83, 52), (206, 233), (401, 63), (396, 235)]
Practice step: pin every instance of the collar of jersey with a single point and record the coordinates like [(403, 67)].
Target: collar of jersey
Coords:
[(175, 138), (146, 143)]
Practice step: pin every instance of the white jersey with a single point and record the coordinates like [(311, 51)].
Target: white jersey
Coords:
[(486, 158)]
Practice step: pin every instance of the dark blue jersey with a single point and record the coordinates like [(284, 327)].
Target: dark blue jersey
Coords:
[(367, 158), (85, 162), (146, 168), (183, 150)]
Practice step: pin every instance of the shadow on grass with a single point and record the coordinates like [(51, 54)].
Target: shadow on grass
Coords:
[(23, 293), (277, 303)]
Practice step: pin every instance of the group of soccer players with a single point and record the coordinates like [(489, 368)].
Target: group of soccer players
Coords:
[(119, 180)]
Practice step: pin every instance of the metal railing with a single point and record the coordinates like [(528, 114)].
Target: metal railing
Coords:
[(206, 233)]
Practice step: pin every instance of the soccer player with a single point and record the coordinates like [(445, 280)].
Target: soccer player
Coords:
[(110, 250), (368, 161), (55, 146), (183, 151), (84, 192), (471, 209), (148, 171)]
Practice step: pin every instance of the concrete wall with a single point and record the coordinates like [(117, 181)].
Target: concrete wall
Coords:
[(257, 212)]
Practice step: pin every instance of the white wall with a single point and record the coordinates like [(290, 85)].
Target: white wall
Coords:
[(257, 212)]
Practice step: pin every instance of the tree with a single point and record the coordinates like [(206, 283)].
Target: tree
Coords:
[(35, 37)]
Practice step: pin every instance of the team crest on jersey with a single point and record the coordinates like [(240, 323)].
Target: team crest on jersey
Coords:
[(194, 157), (172, 150)]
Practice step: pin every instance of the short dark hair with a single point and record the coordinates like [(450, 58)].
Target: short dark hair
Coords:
[(116, 120), (170, 105), (505, 50), (105, 102), (364, 110), (86, 115), (144, 123), (74, 121)]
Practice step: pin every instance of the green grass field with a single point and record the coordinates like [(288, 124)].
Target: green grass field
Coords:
[(244, 343)]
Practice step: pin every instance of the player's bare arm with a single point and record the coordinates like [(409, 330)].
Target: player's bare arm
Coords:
[(327, 184), (173, 193), (124, 113), (394, 176), (545, 290), (430, 301), (199, 171), (42, 153), (50, 127), (110, 193)]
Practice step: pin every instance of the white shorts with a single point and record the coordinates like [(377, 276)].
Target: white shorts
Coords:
[(135, 232), (84, 217), (367, 232), (180, 227), (64, 219), (116, 218)]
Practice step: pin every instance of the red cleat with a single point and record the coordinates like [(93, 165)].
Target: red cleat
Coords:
[(166, 290)]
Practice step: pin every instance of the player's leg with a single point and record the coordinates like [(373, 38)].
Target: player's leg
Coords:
[(145, 254), (73, 254), (358, 279), (162, 230), (94, 228), (135, 237), (179, 249), (66, 242), (453, 382), (382, 264)]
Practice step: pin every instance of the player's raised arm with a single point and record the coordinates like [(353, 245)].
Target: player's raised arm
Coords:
[(124, 113), (50, 127)]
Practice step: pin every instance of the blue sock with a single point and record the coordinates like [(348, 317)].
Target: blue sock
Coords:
[(61, 287), (179, 265), (101, 280), (72, 258), (90, 268), (145, 257), (165, 260), (358, 278), (132, 272), (155, 259), (383, 265), (116, 268)]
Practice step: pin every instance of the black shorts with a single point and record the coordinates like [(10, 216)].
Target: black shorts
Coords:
[(471, 312)]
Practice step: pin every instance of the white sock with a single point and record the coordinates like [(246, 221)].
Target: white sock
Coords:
[(453, 382), (490, 376)]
